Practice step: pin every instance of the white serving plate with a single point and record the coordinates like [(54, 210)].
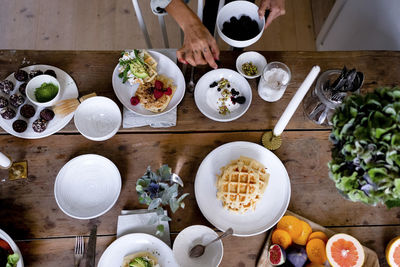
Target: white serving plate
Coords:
[(6, 237), (133, 243), (269, 209), (68, 89), (124, 91), (87, 186), (236, 81)]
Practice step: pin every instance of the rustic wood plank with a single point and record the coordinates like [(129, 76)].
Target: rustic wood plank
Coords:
[(93, 70)]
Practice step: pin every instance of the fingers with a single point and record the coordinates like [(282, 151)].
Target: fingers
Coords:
[(190, 59), (209, 58), (264, 5), (275, 12), (180, 55), (214, 49)]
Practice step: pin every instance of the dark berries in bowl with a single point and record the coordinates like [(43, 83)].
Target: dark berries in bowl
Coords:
[(6, 86), (241, 29), (7, 113), (27, 111), (21, 75), (47, 114), (16, 100), (19, 126)]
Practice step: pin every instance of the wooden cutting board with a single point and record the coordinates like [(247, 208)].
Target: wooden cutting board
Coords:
[(371, 259)]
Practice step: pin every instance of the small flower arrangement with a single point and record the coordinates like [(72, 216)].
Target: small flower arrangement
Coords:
[(155, 189)]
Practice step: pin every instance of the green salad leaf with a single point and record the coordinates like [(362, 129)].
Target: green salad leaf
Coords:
[(365, 163)]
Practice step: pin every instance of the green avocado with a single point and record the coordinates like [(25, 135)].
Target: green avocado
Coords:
[(138, 70), (139, 262)]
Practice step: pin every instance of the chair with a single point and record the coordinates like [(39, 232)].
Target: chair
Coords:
[(161, 21)]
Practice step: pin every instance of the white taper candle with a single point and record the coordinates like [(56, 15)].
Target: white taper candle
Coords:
[(296, 100), (5, 162)]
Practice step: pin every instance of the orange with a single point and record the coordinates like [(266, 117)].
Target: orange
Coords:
[(290, 224), (344, 250), (305, 232), (282, 238), (316, 251), (319, 235), (392, 252)]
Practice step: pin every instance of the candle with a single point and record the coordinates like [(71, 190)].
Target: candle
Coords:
[(296, 100), (5, 162)]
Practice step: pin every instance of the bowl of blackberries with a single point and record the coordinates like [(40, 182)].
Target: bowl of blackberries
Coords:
[(239, 25)]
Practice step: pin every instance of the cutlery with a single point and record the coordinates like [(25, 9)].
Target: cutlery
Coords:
[(176, 179), (91, 250), (198, 250), (190, 86), (78, 251)]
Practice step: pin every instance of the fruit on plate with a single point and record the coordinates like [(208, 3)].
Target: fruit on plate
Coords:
[(296, 255), (276, 255), (344, 250), (318, 235), (316, 251), (290, 224), (282, 238), (392, 252), (305, 232)]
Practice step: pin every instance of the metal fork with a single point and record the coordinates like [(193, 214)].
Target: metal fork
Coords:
[(79, 250)]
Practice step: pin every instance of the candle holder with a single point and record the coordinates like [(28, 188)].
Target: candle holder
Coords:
[(271, 141)]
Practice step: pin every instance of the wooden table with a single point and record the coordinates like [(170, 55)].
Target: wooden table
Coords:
[(46, 235)]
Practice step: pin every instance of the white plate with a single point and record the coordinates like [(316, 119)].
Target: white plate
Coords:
[(87, 186), (6, 237), (167, 67), (133, 243), (203, 86), (268, 210), (68, 90), (194, 235)]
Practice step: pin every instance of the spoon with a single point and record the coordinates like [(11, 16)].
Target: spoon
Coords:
[(190, 86), (198, 250)]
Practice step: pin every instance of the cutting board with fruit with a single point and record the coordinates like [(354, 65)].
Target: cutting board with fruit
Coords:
[(297, 241)]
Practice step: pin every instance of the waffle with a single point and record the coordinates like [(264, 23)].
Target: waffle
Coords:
[(242, 184)]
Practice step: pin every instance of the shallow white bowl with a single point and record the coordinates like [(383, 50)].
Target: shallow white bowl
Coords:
[(237, 9), (194, 235), (98, 118), (87, 186), (36, 82), (257, 59)]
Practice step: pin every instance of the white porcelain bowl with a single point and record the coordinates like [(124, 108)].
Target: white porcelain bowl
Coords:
[(194, 235), (98, 118), (257, 59), (237, 9), (35, 83)]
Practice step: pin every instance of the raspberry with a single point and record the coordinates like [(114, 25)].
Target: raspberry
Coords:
[(168, 91), (158, 93), (158, 85), (135, 100)]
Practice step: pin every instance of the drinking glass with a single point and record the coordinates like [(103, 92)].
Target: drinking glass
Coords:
[(273, 82)]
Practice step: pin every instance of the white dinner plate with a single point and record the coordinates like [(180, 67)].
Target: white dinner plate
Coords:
[(268, 210), (68, 89), (87, 186), (133, 243), (207, 106), (167, 67), (6, 237)]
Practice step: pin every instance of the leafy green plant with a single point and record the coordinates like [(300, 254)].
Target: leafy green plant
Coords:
[(156, 191), (365, 162)]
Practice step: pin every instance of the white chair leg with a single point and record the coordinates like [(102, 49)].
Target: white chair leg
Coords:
[(161, 21), (142, 25)]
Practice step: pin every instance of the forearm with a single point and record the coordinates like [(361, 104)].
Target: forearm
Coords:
[(182, 14)]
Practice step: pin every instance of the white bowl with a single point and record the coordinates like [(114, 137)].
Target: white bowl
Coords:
[(237, 9), (36, 82), (87, 186), (98, 118), (194, 235), (257, 59)]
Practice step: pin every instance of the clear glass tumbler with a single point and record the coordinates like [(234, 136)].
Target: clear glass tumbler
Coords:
[(273, 82)]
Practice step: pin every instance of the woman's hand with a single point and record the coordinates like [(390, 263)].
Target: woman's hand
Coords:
[(199, 47), (276, 8)]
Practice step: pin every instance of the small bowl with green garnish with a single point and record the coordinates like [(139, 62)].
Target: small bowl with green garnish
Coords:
[(43, 90), (250, 64)]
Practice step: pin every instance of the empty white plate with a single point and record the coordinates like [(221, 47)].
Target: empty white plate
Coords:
[(268, 210), (87, 186), (192, 236)]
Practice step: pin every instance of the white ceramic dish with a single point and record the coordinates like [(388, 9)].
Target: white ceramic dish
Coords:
[(194, 235), (68, 90), (133, 243), (269, 209), (237, 9), (87, 186), (124, 91), (257, 59), (14, 247), (98, 118), (35, 83), (205, 104)]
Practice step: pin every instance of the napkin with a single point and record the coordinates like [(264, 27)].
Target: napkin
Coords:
[(137, 221), (131, 119)]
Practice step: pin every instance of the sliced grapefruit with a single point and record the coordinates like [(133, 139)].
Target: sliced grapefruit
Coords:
[(393, 252), (344, 251)]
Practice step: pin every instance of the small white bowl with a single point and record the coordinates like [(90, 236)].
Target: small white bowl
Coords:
[(237, 9), (257, 59), (36, 82), (194, 235), (98, 118)]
